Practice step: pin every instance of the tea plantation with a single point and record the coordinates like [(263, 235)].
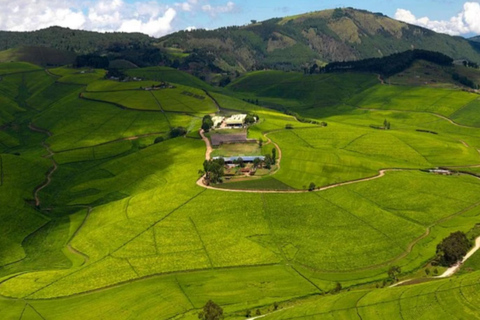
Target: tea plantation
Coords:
[(102, 216)]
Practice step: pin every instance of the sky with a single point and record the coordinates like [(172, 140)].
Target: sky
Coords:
[(160, 17)]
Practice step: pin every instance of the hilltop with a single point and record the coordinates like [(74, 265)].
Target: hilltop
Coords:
[(324, 36), (289, 43)]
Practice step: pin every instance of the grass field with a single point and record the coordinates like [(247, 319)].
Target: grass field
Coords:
[(168, 75), (121, 229), (237, 149)]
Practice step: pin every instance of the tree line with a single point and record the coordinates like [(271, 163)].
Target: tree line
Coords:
[(386, 66)]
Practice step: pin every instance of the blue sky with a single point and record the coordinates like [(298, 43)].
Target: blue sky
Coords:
[(160, 17)]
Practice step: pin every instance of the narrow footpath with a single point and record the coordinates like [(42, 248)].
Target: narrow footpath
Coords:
[(50, 155)]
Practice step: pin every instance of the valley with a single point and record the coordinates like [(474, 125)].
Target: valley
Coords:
[(104, 207)]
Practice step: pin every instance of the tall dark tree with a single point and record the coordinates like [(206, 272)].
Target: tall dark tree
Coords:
[(452, 249)]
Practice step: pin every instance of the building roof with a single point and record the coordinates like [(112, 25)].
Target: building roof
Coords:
[(245, 158), (236, 119)]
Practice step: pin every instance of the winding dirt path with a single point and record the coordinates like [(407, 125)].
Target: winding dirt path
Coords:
[(379, 175), (50, 155), (208, 152)]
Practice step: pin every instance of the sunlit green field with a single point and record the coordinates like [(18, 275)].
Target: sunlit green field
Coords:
[(122, 230)]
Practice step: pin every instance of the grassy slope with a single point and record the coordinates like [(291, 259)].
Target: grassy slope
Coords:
[(159, 222)]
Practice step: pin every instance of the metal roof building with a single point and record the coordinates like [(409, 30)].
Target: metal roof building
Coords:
[(245, 158)]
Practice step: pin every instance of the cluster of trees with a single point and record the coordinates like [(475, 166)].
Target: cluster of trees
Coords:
[(91, 61), (251, 101), (386, 66), (211, 311), (115, 73), (465, 81), (470, 64), (251, 118), (207, 123), (213, 170), (177, 132), (270, 159), (386, 125), (452, 249), (303, 119)]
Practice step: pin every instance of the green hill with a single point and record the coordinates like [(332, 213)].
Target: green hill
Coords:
[(43, 56), (77, 41), (325, 36)]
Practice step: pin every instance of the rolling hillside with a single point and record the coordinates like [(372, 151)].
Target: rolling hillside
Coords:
[(325, 36)]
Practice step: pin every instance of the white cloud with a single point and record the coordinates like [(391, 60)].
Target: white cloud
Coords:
[(215, 10), (467, 21), (151, 17)]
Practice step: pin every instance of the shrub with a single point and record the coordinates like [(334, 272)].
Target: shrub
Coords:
[(177, 132)]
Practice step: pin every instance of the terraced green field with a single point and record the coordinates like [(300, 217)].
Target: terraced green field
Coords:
[(99, 219)]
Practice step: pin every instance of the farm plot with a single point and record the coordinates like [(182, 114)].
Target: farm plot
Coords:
[(80, 123), (421, 99), (443, 299), (184, 99), (469, 114), (131, 219), (112, 85), (77, 76), (341, 153), (133, 99), (15, 67), (18, 178), (165, 296), (306, 94), (169, 75)]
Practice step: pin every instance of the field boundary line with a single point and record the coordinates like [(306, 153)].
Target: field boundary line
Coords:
[(185, 294), (425, 112), (69, 245), (360, 219), (21, 72), (201, 241), (213, 99), (126, 282), (116, 250), (410, 247), (112, 141), (356, 305), (470, 304), (383, 302), (35, 310), (161, 109), (23, 310), (157, 222), (131, 266), (304, 277)]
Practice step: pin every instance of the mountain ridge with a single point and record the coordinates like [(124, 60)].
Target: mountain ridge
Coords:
[(322, 37), (288, 43)]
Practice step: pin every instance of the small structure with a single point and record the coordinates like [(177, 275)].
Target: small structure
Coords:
[(246, 159), (442, 172), (236, 121), (217, 121)]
